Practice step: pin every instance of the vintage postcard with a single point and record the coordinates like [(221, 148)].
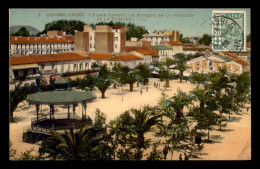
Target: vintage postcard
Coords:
[(129, 84)]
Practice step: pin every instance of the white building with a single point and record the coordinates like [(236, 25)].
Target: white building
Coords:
[(164, 52), (39, 45), (155, 39), (212, 62)]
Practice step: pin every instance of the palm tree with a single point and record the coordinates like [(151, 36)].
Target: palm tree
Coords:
[(165, 74), (198, 78), (142, 121), (66, 147), (178, 102), (181, 65), (103, 80), (18, 95), (143, 73), (85, 144), (129, 76)]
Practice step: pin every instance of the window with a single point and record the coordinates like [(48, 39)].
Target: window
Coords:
[(116, 38), (90, 45), (68, 68), (86, 66), (90, 37), (115, 45), (52, 66), (75, 67), (80, 66), (42, 66), (34, 70)]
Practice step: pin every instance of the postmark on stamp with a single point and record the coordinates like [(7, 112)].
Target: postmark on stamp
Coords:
[(228, 30)]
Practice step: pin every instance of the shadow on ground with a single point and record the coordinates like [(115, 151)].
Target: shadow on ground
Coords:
[(235, 119), (18, 119)]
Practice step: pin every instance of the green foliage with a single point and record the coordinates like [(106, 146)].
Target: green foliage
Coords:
[(22, 32), (129, 129), (205, 40), (19, 94), (25, 156), (165, 74), (94, 65), (180, 64), (190, 56), (67, 26), (143, 73), (132, 30), (103, 79), (198, 78), (85, 83), (128, 76), (85, 144), (183, 40)]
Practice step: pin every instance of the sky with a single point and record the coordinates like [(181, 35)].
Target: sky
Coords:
[(189, 21)]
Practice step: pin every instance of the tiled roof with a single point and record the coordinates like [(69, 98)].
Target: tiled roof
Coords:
[(99, 56), (172, 43), (71, 56), (236, 58), (125, 57), (18, 60), (40, 40), (116, 57), (146, 52)]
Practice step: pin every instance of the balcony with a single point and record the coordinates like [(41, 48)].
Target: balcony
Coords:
[(48, 72)]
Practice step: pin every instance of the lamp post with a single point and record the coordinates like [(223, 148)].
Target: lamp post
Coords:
[(122, 93)]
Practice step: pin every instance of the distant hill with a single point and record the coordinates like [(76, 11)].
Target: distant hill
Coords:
[(32, 30)]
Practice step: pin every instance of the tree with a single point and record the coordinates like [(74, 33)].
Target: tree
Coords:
[(178, 102), (128, 76), (18, 95), (165, 74), (85, 144), (183, 40), (204, 114), (131, 29), (205, 40), (66, 147), (198, 78), (116, 73), (85, 83), (143, 120), (143, 73), (219, 84), (103, 79), (67, 26), (180, 65), (129, 129), (22, 32)]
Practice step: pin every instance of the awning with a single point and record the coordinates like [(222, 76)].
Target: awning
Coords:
[(28, 66)]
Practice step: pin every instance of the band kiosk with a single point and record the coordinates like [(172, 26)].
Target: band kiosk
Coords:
[(42, 125)]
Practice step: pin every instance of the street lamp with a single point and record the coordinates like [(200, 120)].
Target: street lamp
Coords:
[(122, 93)]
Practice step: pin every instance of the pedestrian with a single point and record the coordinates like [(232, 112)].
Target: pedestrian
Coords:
[(186, 158), (147, 89), (154, 84), (159, 85), (141, 91), (247, 110), (180, 157)]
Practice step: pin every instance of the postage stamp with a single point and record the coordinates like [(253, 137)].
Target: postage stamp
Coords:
[(228, 30)]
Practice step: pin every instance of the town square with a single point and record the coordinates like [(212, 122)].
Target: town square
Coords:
[(115, 84)]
